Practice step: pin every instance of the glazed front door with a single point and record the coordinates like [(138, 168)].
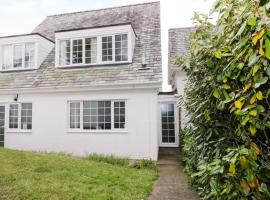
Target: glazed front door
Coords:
[(168, 133)]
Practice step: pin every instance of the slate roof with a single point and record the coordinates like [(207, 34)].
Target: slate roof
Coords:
[(178, 46), (145, 19)]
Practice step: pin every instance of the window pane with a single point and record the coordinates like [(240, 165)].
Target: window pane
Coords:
[(77, 54), (75, 115), (107, 48), (7, 57), (29, 55), (13, 115), (97, 115), (90, 50), (17, 57), (119, 114), (121, 47), (26, 116), (167, 120), (64, 54)]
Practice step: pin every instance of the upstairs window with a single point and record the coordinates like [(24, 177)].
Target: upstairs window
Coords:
[(107, 53), (90, 50), (93, 50), (121, 47), (7, 57), (77, 51), (64, 53), (29, 55), (18, 56)]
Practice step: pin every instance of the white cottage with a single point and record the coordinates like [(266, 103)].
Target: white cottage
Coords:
[(88, 82)]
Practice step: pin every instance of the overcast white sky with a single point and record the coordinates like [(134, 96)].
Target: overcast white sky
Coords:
[(22, 16)]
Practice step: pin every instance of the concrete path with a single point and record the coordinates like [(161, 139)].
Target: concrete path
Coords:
[(172, 182)]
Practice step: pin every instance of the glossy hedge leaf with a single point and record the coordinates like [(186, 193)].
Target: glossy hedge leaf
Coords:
[(268, 71), (260, 81), (267, 49), (252, 21)]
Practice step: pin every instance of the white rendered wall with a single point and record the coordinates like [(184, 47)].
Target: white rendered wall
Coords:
[(50, 131)]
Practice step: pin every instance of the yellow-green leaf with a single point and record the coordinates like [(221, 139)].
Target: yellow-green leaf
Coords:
[(247, 86), (245, 120), (238, 104), (255, 69), (243, 162), (261, 51), (252, 21), (253, 113), (259, 95), (255, 148), (207, 116), (253, 99), (267, 49), (258, 36), (244, 187), (218, 54), (232, 168), (216, 93), (252, 130)]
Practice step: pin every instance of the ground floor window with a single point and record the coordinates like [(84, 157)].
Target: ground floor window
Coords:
[(97, 115), (20, 116)]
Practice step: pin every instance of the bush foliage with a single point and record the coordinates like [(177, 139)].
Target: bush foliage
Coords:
[(226, 145)]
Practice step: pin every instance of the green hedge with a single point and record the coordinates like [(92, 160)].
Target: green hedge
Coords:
[(226, 144)]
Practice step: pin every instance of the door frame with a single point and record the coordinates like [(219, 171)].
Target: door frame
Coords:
[(5, 117), (171, 100)]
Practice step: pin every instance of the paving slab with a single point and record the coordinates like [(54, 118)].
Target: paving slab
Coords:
[(172, 183)]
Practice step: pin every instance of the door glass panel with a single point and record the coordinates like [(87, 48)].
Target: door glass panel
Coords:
[(2, 125), (167, 122)]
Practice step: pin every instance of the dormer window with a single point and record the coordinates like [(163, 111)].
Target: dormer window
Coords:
[(23, 52), (18, 56), (95, 46), (121, 47)]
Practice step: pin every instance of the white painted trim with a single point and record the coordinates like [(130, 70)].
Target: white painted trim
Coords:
[(84, 88), (81, 130), (176, 124), (23, 56), (18, 130), (98, 33)]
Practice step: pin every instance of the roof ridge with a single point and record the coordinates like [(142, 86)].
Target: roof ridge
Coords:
[(185, 27), (99, 9)]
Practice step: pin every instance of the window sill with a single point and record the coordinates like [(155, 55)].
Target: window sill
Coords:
[(94, 65), (17, 70), (98, 131), (18, 131)]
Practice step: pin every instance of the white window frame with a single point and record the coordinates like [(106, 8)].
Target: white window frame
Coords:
[(99, 50), (112, 130), (23, 56), (19, 129)]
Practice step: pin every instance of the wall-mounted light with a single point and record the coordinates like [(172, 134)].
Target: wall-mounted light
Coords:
[(16, 97)]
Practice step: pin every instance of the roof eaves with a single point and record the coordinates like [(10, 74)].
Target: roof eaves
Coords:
[(27, 34), (102, 26)]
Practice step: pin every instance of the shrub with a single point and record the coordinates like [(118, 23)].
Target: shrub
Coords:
[(226, 147)]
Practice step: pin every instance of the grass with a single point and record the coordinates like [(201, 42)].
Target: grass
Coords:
[(31, 176)]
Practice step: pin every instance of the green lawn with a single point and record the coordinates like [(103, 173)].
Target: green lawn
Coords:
[(28, 175)]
